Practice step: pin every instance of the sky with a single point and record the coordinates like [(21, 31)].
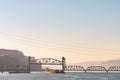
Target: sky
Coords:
[(80, 30)]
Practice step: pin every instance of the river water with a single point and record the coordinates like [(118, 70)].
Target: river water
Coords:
[(66, 76)]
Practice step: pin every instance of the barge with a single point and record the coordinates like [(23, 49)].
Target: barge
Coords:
[(54, 71)]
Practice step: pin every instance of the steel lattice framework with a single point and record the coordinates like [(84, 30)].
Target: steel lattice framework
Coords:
[(114, 68), (74, 68), (96, 68), (49, 61)]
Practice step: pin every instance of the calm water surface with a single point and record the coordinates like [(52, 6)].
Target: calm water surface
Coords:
[(66, 76)]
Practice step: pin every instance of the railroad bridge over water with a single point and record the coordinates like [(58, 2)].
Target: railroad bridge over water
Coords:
[(62, 62), (51, 61), (92, 68)]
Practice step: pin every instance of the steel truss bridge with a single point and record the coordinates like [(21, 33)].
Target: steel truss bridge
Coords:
[(51, 61), (26, 68), (92, 68), (62, 62)]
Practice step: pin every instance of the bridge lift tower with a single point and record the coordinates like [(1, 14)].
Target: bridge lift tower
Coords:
[(63, 63)]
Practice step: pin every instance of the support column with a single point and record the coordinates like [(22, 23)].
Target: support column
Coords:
[(63, 63)]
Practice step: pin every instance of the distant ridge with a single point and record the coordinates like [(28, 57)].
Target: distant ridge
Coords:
[(97, 63), (111, 63), (12, 57)]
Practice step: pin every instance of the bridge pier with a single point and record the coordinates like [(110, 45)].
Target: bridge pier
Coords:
[(107, 71), (63, 63)]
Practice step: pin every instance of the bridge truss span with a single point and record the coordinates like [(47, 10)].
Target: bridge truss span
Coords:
[(114, 68), (49, 61), (96, 68), (74, 68)]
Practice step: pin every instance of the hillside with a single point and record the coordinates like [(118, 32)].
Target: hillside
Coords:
[(12, 57)]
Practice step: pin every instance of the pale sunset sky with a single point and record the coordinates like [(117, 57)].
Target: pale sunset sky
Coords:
[(80, 30)]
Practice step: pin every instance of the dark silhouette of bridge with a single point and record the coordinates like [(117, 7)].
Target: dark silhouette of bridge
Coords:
[(62, 62), (51, 61), (92, 68)]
